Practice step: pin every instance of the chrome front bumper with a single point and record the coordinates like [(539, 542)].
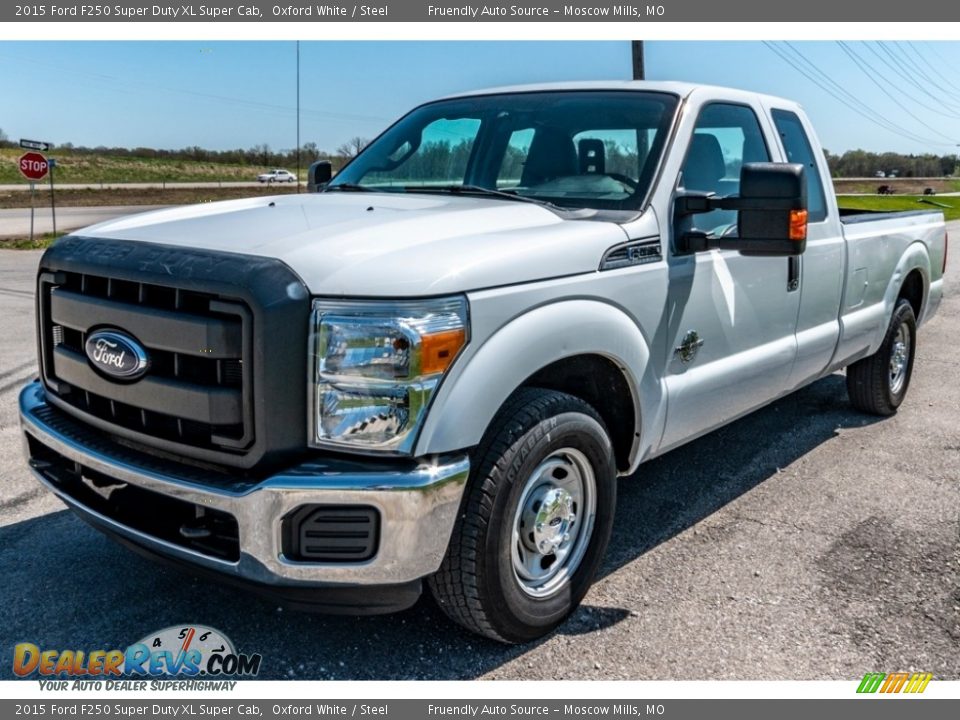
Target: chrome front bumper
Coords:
[(417, 504)]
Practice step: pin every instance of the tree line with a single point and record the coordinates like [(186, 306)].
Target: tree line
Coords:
[(261, 155), (860, 163), (852, 163)]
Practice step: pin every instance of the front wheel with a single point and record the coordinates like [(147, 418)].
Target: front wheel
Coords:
[(878, 384), (535, 522)]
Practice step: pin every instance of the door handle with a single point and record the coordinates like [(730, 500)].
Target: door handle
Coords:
[(793, 273)]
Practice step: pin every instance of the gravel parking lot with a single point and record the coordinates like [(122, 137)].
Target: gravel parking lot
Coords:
[(806, 541)]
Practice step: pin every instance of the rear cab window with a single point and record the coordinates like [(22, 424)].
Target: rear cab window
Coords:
[(797, 146)]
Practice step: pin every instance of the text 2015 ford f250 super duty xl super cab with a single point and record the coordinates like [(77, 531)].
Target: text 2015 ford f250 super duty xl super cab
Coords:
[(435, 368)]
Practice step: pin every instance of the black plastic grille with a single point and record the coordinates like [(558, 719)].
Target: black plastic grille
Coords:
[(331, 533), (196, 392)]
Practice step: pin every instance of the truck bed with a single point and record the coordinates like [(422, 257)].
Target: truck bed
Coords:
[(849, 216)]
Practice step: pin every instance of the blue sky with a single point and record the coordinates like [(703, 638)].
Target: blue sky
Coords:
[(238, 94)]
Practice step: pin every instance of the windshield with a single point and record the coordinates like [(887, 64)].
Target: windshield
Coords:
[(589, 149)]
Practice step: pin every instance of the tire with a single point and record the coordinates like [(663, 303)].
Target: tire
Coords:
[(542, 486), (878, 384)]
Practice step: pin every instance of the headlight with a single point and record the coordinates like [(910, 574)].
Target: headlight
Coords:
[(375, 367)]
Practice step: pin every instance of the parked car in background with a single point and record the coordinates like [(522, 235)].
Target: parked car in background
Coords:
[(277, 176)]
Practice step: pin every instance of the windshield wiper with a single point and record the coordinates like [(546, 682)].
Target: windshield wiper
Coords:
[(479, 190), (347, 187)]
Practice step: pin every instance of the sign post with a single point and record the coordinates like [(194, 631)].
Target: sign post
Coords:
[(53, 202), (32, 193), (33, 166)]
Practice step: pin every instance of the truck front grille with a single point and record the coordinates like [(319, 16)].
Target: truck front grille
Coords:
[(196, 392), (226, 335)]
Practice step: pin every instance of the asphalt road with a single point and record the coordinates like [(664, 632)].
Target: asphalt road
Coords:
[(806, 541), (15, 222)]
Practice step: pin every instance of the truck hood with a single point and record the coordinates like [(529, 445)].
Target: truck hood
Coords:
[(383, 244)]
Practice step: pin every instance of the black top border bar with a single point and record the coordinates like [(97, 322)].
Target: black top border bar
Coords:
[(738, 11)]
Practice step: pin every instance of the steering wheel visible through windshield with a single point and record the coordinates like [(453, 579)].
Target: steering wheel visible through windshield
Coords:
[(576, 149)]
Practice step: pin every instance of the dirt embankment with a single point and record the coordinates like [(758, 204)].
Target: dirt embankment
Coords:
[(900, 186)]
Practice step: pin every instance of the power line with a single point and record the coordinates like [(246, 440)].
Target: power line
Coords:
[(907, 61), (936, 53), (900, 74), (846, 98), (854, 103), (114, 82), (931, 66), (871, 76)]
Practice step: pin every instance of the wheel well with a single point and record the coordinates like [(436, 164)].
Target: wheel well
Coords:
[(912, 290), (601, 383)]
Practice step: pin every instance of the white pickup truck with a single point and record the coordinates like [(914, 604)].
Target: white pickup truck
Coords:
[(435, 368)]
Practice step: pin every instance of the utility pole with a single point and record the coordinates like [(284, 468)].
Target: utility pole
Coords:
[(638, 69), (298, 116)]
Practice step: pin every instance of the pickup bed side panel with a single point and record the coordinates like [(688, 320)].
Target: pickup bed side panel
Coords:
[(880, 255)]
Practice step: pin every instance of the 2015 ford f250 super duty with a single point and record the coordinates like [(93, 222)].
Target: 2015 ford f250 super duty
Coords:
[(435, 368)]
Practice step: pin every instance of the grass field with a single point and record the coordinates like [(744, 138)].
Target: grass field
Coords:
[(887, 203), (99, 168), (137, 196), (39, 242)]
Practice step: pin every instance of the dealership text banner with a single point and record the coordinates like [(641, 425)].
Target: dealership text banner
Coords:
[(451, 11)]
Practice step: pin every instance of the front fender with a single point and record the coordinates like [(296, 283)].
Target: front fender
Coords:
[(485, 377)]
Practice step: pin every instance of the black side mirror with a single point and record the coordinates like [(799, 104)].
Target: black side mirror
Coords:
[(773, 214), (318, 175), (772, 207)]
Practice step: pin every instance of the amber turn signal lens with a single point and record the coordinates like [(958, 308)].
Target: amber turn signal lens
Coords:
[(798, 225), (438, 350)]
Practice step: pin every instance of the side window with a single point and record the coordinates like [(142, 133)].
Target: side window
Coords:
[(799, 150), (724, 138)]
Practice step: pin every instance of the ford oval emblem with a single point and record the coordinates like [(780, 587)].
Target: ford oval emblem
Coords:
[(117, 355)]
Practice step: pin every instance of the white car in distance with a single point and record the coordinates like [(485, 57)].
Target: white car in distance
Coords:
[(277, 176)]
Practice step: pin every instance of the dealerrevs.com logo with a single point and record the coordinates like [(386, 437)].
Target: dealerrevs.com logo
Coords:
[(184, 651)]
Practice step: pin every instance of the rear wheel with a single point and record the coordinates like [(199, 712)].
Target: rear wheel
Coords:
[(535, 522), (878, 384)]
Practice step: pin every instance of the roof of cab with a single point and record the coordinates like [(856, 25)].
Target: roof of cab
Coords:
[(683, 89)]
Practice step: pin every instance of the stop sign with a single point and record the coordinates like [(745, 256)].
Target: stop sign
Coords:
[(33, 166)]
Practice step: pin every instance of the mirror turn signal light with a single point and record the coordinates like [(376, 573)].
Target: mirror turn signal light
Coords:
[(798, 225)]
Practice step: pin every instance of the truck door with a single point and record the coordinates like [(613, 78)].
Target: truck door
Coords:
[(731, 319), (822, 264)]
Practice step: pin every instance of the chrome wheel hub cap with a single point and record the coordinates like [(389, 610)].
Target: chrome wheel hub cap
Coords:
[(553, 522), (899, 357)]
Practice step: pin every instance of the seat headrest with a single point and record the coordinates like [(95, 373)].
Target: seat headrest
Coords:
[(551, 155), (705, 166)]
